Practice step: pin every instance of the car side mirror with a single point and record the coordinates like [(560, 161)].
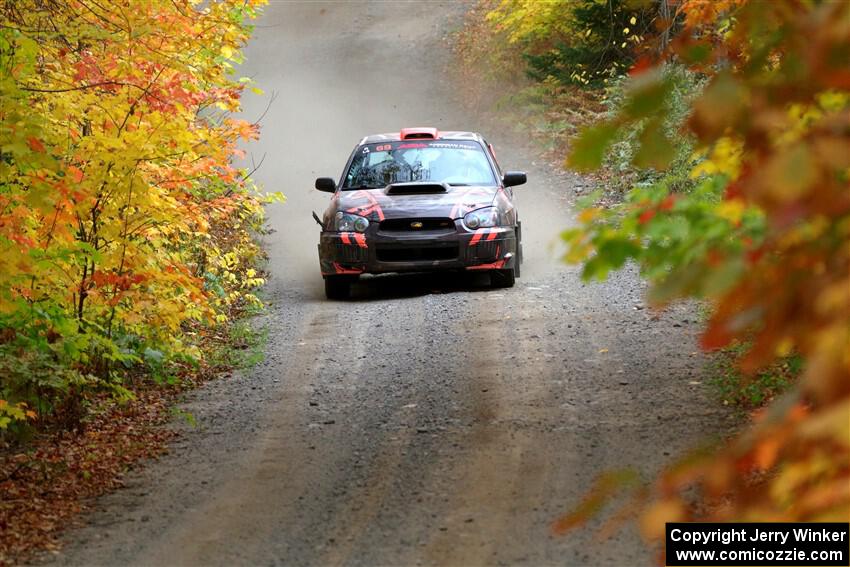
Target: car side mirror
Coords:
[(512, 178), (326, 184)]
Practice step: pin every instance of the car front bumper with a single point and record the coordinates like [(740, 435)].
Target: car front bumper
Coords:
[(377, 252)]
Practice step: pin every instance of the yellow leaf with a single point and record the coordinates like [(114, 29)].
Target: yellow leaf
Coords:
[(587, 215), (724, 158), (784, 347), (789, 173), (832, 423), (731, 210), (652, 523), (633, 20)]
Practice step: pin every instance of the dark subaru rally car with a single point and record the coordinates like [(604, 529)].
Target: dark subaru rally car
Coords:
[(420, 200)]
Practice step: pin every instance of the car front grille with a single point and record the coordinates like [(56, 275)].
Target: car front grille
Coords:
[(349, 253), (418, 254), (415, 224)]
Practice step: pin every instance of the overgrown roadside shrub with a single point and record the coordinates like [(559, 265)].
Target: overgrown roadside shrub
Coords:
[(727, 144), (768, 247), (126, 234)]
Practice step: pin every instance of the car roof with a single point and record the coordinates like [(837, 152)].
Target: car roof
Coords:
[(441, 135)]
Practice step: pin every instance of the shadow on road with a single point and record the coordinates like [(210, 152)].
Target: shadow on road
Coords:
[(389, 286)]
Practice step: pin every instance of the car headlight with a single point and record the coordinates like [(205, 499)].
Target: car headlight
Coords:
[(346, 222), (482, 218)]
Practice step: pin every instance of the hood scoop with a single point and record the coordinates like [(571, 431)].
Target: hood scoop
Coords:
[(416, 188)]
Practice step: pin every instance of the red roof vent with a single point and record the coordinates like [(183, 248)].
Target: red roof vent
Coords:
[(419, 134)]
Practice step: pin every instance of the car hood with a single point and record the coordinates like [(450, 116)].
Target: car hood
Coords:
[(376, 204)]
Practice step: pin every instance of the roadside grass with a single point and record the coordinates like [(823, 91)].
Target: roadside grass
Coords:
[(731, 387), (51, 473), (244, 345)]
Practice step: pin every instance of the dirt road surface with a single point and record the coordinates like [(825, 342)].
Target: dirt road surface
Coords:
[(430, 420)]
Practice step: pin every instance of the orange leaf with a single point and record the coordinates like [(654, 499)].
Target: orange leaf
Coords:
[(766, 452), (75, 173)]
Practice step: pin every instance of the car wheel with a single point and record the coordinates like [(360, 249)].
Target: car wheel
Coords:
[(338, 287), (503, 278), (518, 263)]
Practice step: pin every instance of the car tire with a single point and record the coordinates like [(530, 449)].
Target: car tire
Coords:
[(338, 287), (503, 278), (518, 262)]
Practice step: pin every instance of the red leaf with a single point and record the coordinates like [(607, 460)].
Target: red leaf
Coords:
[(641, 65), (35, 144), (646, 216), (667, 204), (715, 337)]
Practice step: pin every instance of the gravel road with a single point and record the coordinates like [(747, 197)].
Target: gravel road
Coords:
[(430, 420)]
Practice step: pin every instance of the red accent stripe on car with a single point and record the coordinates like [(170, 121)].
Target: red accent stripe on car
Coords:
[(494, 266), (360, 239), (366, 210), (345, 238), (375, 205), (477, 236), (340, 270)]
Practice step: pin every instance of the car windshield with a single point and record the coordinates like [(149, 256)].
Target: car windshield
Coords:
[(456, 162)]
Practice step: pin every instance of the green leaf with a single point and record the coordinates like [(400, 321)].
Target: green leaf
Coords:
[(697, 53), (590, 147), (153, 356), (655, 150), (647, 97), (721, 105)]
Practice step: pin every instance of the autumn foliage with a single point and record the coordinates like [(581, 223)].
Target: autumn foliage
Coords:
[(764, 237), (125, 230), (577, 42)]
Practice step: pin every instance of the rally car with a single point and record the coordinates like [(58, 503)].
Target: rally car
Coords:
[(420, 200)]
